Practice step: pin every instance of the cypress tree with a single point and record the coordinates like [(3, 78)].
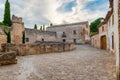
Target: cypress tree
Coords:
[(7, 19), (23, 38), (35, 27), (41, 28), (9, 37), (8, 33), (51, 24)]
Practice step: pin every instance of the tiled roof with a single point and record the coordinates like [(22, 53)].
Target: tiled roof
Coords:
[(63, 25)]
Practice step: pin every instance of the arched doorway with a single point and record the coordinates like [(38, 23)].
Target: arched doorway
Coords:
[(103, 42)]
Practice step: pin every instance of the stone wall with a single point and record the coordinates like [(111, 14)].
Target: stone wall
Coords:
[(8, 58), (17, 30), (95, 40), (75, 32), (33, 35), (31, 49), (3, 37), (118, 67)]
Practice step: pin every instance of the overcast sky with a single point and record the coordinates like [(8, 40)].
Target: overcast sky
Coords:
[(56, 11)]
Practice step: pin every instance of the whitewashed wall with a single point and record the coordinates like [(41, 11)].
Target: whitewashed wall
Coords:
[(116, 34)]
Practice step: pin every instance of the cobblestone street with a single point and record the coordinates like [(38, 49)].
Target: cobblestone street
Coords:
[(85, 63)]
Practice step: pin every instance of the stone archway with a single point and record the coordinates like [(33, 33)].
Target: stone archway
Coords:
[(103, 42)]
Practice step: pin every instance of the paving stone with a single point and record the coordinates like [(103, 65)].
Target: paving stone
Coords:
[(85, 63)]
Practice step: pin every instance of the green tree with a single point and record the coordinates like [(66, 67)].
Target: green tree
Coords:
[(7, 18), (51, 24), (94, 25), (41, 28), (1, 23), (8, 33), (35, 26), (23, 38)]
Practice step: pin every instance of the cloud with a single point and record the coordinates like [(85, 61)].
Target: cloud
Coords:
[(56, 11)]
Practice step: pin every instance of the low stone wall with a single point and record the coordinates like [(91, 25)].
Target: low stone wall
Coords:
[(8, 58), (31, 49)]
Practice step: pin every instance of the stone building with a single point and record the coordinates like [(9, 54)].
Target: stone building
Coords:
[(113, 21), (100, 39), (103, 29), (109, 33), (33, 36), (75, 32)]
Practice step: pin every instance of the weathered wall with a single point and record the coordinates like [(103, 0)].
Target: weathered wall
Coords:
[(103, 31), (17, 30), (3, 37), (95, 41), (117, 34), (69, 29), (31, 49), (37, 35)]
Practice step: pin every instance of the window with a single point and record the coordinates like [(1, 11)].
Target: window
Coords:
[(64, 40), (109, 22), (112, 19), (102, 28), (27, 39), (74, 32), (112, 42), (64, 35), (74, 40), (42, 40)]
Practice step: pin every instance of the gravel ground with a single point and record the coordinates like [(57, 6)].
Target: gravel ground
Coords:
[(85, 63)]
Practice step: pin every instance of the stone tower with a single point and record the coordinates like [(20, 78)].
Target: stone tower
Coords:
[(17, 30)]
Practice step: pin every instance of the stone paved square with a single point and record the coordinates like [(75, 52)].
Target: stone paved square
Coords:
[(85, 63)]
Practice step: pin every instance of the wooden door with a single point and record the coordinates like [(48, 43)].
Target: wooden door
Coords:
[(103, 42)]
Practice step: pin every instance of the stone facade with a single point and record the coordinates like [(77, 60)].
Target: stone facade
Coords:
[(76, 32), (32, 49), (103, 29), (17, 30), (118, 52), (3, 37), (110, 28), (115, 7), (95, 40), (33, 36)]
